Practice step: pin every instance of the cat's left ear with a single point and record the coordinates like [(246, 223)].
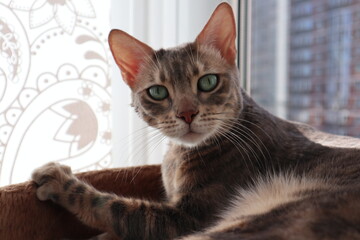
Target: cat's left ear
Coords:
[(220, 32), (129, 54)]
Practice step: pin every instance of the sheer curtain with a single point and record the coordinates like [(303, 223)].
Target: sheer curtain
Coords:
[(61, 95), (55, 91)]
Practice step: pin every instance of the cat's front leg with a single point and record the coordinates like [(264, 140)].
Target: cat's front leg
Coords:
[(51, 179), (127, 218), (57, 183)]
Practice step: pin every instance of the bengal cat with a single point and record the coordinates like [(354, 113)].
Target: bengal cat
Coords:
[(233, 170)]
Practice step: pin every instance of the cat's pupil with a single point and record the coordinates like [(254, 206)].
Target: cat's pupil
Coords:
[(207, 83)]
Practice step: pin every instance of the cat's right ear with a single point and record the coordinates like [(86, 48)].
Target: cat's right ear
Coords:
[(220, 32), (129, 53)]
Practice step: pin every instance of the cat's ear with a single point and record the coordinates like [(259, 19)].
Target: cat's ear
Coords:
[(220, 32), (129, 53)]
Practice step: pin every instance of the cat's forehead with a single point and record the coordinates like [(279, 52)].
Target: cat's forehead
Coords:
[(180, 51), (171, 58), (181, 64)]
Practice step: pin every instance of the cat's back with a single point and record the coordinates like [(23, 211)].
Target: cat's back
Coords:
[(333, 158), (327, 139)]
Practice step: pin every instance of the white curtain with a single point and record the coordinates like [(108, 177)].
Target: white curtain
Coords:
[(55, 101), (61, 95)]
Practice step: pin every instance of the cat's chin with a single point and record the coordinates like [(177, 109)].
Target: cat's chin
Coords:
[(190, 139)]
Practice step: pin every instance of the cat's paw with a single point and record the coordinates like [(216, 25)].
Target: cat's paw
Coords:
[(51, 179)]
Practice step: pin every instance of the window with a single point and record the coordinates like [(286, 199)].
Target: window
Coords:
[(318, 54)]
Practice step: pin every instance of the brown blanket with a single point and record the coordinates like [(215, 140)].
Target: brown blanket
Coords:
[(23, 216)]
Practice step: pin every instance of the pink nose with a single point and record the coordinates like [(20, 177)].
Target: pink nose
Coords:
[(187, 116)]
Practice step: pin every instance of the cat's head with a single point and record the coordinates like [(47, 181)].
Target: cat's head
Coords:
[(191, 93)]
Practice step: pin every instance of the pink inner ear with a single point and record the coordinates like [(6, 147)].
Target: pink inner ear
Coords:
[(129, 54), (129, 66), (220, 32)]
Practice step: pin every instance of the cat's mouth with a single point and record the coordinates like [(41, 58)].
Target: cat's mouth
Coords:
[(191, 137)]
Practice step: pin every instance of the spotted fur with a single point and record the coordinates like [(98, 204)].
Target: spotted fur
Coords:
[(234, 172)]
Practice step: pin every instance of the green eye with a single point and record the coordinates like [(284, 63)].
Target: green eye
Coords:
[(158, 92), (207, 83)]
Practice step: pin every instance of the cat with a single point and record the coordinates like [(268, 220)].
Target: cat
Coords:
[(233, 170)]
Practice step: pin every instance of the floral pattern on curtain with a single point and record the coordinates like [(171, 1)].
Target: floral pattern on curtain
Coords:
[(55, 98)]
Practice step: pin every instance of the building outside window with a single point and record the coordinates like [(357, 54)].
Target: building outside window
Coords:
[(319, 58)]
